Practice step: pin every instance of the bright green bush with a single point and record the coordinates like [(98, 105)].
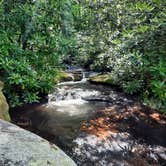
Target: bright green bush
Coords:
[(126, 38), (24, 83), (32, 42)]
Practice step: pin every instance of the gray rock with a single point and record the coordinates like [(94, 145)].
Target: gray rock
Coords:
[(19, 147)]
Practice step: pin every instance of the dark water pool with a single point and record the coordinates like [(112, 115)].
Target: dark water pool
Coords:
[(97, 126)]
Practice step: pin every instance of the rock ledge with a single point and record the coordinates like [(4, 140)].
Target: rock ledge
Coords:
[(19, 147)]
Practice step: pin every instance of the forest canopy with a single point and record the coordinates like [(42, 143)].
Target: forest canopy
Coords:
[(125, 38)]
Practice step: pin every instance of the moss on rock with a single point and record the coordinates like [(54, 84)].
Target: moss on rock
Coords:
[(63, 77), (102, 79), (4, 108)]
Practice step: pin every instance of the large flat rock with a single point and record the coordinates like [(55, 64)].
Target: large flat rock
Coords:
[(19, 147)]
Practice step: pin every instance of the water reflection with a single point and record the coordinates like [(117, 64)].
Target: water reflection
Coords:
[(98, 126)]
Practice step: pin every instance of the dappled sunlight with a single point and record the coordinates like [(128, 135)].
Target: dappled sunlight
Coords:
[(95, 124), (155, 116), (99, 127)]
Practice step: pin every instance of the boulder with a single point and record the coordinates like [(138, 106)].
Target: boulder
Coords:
[(101, 79), (4, 108), (63, 77), (19, 147), (77, 76)]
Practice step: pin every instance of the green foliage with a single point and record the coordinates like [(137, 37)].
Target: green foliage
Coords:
[(24, 81), (158, 82), (132, 86), (32, 44), (126, 38)]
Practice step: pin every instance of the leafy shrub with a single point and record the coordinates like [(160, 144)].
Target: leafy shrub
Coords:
[(23, 82), (127, 38), (31, 44)]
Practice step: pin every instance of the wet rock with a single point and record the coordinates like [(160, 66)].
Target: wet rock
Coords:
[(22, 148), (77, 76), (102, 79), (63, 77), (4, 108)]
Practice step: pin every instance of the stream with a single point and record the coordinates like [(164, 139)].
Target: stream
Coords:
[(96, 125)]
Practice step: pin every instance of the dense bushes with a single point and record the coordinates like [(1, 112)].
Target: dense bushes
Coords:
[(25, 79), (33, 37), (128, 39)]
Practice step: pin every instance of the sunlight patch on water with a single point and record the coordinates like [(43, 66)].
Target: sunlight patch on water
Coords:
[(67, 102)]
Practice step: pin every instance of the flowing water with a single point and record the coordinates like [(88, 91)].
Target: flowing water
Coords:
[(97, 125)]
